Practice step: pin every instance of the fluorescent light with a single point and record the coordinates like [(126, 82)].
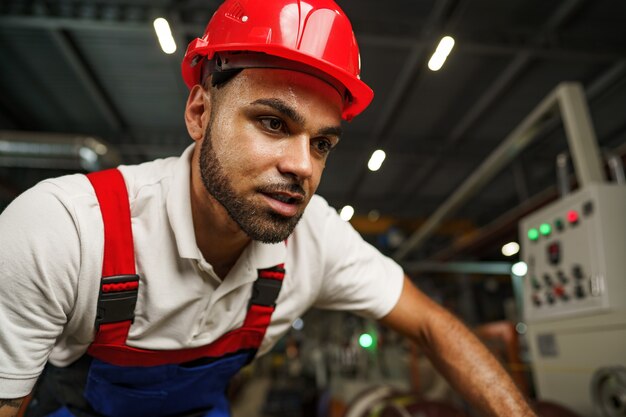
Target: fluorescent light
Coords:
[(520, 269), (164, 33), (376, 160), (346, 213), (510, 249), (441, 53)]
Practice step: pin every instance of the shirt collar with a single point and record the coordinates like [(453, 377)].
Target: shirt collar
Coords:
[(179, 207)]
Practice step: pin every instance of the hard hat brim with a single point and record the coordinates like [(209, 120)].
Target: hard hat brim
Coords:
[(360, 93)]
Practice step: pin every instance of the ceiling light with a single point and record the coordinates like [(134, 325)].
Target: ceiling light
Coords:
[(164, 33), (346, 213), (520, 269), (441, 53), (510, 249), (376, 160)]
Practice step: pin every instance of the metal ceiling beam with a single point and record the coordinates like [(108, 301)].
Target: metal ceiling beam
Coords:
[(506, 224), (595, 91), (180, 37), (504, 81), (568, 102), (52, 22), (560, 51), (18, 58), (521, 182), (497, 229), (407, 76), (8, 118), (55, 150), (87, 79)]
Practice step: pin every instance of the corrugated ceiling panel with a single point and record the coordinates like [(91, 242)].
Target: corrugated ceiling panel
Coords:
[(142, 81), (44, 85)]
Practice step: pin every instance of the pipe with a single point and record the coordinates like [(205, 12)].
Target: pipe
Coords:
[(566, 100), (616, 167), (58, 151), (487, 268), (562, 174)]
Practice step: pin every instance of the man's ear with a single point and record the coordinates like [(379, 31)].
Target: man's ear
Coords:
[(197, 112)]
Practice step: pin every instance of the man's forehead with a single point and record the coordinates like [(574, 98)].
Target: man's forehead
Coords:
[(288, 82)]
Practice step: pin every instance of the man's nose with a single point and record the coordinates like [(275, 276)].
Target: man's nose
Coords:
[(296, 158)]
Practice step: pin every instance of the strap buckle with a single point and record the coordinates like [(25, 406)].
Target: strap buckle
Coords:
[(117, 299), (265, 292)]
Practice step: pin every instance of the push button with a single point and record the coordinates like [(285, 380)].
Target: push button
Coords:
[(562, 278), (577, 271), (554, 253), (535, 282), (558, 223), (559, 291), (547, 279), (550, 298), (580, 291)]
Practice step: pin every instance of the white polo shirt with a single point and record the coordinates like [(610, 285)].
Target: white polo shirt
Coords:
[(51, 245)]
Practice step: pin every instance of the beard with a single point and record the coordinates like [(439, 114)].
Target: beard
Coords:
[(256, 220)]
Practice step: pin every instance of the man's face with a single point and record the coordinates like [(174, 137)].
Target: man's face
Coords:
[(265, 147)]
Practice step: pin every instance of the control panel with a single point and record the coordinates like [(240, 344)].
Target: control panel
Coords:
[(575, 250)]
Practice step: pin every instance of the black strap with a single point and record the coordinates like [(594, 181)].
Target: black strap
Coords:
[(267, 286), (265, 292), (115, 306)]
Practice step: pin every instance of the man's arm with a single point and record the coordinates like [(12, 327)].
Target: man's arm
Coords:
[(456, 353), (40, 261), (10, 407)]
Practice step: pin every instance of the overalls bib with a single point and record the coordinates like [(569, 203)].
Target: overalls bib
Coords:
[(116, 380)]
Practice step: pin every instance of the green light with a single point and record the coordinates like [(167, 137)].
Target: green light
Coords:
[(533, 234), (366, 340), (545, 229)]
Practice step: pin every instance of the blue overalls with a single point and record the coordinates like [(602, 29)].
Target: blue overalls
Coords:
[(123, 381)]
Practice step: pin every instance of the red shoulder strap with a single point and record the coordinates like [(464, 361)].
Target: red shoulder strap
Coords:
[(118, 265), (119, 280)]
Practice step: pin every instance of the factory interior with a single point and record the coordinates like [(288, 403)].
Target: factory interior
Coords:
[(494, 177)]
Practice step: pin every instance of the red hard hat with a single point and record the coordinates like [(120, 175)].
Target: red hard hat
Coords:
[(315, 33)]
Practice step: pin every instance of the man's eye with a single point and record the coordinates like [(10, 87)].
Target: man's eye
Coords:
[(323, 146), (272, 124)]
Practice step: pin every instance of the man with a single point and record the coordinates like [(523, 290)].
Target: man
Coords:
[(191, 266)]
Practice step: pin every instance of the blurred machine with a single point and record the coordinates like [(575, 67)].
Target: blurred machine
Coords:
[(574, 292)]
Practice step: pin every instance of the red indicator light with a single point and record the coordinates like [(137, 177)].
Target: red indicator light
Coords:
[(572, 216)]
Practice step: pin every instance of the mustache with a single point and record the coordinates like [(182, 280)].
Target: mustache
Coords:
[(284, 187)]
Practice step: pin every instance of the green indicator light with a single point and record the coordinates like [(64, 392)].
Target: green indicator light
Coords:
[(533, 234), (545, 229), (366, 340)]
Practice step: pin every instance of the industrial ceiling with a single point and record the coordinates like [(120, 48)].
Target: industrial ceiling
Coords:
[(95, 69)]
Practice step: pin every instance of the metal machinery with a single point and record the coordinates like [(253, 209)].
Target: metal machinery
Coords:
[(574, 293)]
